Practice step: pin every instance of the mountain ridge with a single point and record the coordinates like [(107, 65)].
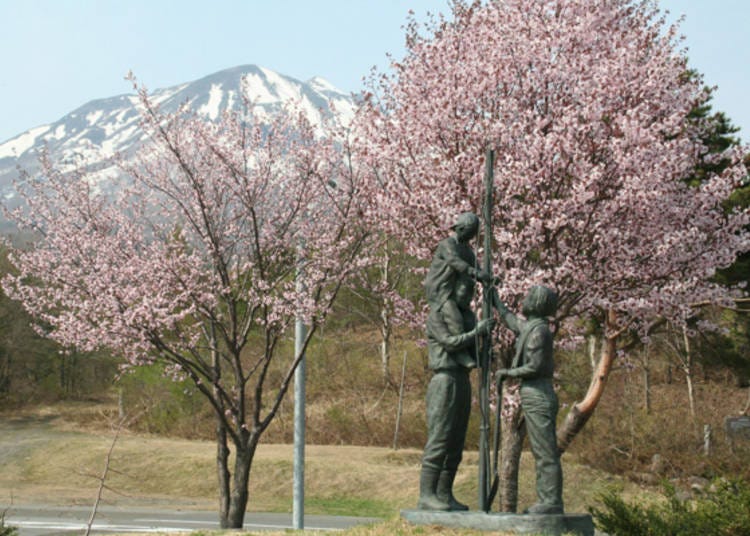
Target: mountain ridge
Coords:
[(107, 125)]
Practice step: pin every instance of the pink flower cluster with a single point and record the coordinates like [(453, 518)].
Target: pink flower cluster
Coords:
[(202, 239)]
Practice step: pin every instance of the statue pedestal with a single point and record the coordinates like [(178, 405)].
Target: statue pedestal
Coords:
[(552, 525)]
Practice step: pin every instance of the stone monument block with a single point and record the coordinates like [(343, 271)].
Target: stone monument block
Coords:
[(548, 525)]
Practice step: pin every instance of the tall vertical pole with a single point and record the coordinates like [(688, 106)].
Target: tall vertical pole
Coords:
[(298, 500), (484, 356)]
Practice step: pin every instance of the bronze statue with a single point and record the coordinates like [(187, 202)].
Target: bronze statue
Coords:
[(448, 397), (451, 333), (533, 364)]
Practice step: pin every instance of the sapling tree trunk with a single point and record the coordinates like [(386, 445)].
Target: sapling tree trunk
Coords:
[(386, 327), (682, 352), (103, 478), (513, 434), (687, 368), (647, 378)]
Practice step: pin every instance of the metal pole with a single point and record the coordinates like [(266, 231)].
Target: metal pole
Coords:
[(298, 502), (484, 357)]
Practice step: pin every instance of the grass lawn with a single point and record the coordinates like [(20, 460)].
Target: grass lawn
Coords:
[(46, 459)]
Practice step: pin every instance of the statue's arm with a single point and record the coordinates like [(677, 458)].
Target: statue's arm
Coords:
[(509, 319), (452, 343), (449, 254)]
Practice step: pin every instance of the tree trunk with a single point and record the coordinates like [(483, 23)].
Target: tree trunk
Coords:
[(222, 447), (581, 411), (691, 390), (514, 432), (222, 467), (385, 345), (385, 324), (688, 369), (592, 351), (647, 379), (238, 503), (5, 374)]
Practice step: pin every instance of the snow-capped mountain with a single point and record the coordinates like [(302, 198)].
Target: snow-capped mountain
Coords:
[(105, 126)]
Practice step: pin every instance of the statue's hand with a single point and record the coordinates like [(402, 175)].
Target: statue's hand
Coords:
[(497, 303), (485, 326), (501, 374), (481, 275)]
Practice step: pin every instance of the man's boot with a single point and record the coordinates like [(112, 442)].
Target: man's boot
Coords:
[(547, 509), (428, 481), (445, 490)]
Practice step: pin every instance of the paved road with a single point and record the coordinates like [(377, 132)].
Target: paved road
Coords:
[(37, 520)]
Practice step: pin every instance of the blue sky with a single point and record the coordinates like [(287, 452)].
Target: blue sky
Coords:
[(59, 54)]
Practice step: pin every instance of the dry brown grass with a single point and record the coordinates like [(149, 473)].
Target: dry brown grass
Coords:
[(52, 461)]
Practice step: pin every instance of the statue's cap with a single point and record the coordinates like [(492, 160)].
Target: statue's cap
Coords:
[(467, 219)]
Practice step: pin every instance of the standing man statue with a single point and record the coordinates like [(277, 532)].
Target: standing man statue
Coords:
[(448, 399), (533, 363), (452, 331)]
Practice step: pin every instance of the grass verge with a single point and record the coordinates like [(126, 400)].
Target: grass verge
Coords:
[(45, 460)]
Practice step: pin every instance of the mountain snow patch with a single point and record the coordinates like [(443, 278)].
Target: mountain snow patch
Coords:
[(212, 107), (20, 144)]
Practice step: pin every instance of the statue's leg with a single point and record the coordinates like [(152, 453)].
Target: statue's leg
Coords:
[(457, 439), (440, 394), (540, 406)]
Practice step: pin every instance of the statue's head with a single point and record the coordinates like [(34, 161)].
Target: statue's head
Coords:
[(541, 301), (463, 292), (466, 226)]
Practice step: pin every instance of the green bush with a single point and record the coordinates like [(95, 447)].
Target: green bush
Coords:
[(722, 511), (5, 530)]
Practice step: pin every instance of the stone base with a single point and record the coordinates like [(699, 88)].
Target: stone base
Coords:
[(553, 525)]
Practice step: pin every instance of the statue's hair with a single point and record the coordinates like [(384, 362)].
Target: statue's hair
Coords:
[(540, 301)]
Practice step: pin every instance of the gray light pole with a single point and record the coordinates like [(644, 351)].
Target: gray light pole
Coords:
[(298, 501)]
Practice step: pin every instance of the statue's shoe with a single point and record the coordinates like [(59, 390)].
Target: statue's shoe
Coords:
[(544, 509), (456, 506), (432, 503)]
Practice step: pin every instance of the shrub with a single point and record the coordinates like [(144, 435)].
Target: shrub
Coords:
[(722, 511), (6, 530)]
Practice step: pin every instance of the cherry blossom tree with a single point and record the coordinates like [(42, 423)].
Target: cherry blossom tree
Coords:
[(195, 260), (586, 104)]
